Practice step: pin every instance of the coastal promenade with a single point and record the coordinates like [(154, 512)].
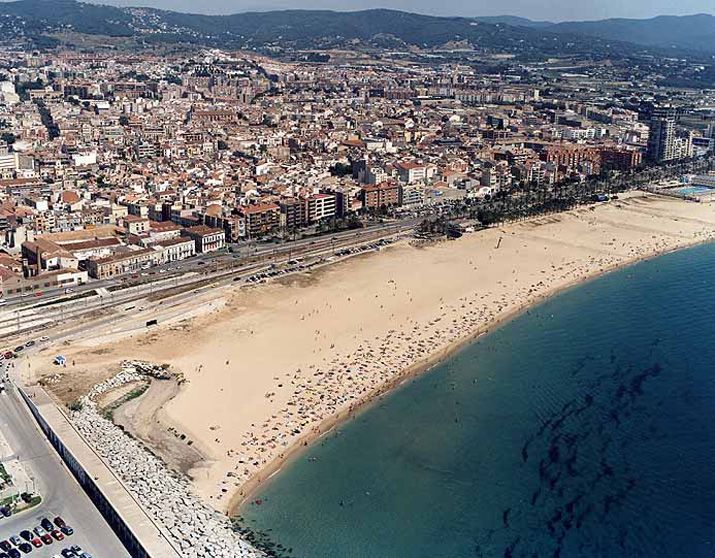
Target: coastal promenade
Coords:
[(119, 500)]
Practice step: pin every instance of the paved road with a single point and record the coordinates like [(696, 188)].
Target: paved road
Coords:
[(61, 493)]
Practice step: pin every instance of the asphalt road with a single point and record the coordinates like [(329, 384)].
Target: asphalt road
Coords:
[(61, 494)]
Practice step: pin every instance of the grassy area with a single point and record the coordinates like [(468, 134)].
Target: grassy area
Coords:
[(4, 475), (34, 501), (108, 413), (8, 501)]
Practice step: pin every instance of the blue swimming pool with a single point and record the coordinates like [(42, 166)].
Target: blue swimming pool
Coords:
[(693, 190)]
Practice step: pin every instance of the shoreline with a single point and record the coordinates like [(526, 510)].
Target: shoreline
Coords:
[(271, 369), (302, 444)]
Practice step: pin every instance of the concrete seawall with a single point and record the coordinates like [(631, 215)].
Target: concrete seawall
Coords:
[(134, 528)]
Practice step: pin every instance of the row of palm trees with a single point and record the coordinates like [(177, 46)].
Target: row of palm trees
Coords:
[(522, 201)]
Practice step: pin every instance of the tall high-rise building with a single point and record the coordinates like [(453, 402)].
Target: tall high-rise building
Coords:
[(661, 140)]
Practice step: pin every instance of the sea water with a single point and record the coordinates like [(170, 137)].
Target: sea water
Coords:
[(583, 428)]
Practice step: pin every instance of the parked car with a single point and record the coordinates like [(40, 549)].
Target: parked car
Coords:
[(25, 534), (19, 348), (67, 530), (39, 531), (5, 545), (59, 521), (57, 534), (15, 540), (47, 539), (14, 553), (46, 524), (30, 343), (36, 542), (26, 548)]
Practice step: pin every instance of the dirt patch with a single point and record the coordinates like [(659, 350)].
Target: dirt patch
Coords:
[(113, 396), (297, 280), (143, 418), (75, 381)]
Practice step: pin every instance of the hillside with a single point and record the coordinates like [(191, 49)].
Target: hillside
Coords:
[(692, 32), (34, 19)]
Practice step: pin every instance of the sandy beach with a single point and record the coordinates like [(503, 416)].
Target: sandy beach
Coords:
[(269, 368)]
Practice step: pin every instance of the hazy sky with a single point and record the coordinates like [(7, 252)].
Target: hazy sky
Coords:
[(555, 10)]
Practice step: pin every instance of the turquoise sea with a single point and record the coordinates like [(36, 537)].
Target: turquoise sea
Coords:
[(583, 428)]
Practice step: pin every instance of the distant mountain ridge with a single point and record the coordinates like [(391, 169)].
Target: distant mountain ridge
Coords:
[(691, 32), (516, 21), (36, 20)]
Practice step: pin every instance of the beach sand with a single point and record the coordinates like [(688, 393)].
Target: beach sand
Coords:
[(272, 367)]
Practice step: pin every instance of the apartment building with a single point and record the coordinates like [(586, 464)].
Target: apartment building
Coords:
[(381, 195), (206, 239)]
